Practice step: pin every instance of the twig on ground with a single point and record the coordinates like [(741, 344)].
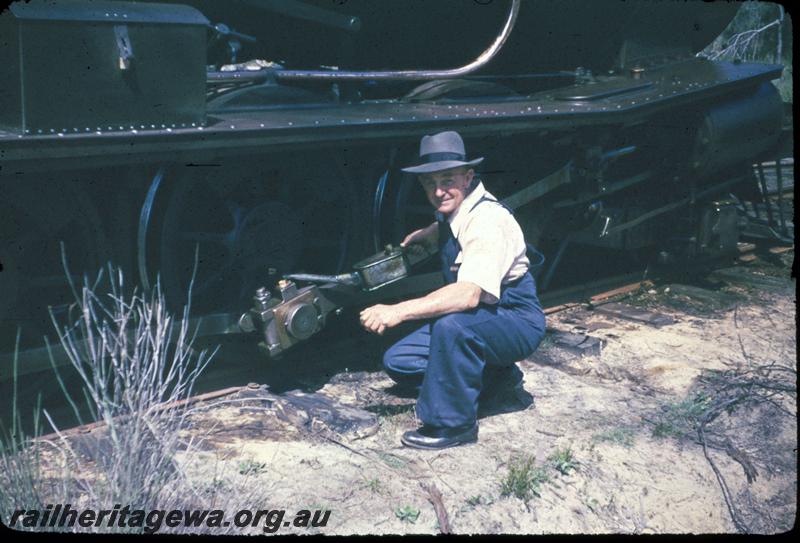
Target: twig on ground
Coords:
[(435, 497), (437, 476), (741, 526), (551, 434), (739, 336)]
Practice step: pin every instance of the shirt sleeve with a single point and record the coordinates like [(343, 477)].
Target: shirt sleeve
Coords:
[(487, 255)]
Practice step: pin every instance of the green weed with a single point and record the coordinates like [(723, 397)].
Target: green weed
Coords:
[(679, 418), (474, 500), (563, 461), (407, 513), (621, 436), (524, 479), (395, 416), (251, 467), (374, 485), (392, 460)]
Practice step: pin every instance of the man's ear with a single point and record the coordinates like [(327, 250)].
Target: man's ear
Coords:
[(469, 175)]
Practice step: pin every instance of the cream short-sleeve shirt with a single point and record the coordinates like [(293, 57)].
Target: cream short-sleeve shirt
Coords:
[(493, 251)]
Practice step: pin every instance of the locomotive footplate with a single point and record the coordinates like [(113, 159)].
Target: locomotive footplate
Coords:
[(667, 87)]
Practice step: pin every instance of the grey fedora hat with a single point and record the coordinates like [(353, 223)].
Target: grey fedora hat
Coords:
[(442, 151)]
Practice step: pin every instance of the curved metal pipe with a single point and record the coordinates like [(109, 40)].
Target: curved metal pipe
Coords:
[(482, 60)]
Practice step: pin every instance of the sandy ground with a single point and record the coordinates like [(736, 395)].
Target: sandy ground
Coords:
[(637, 465), (621, 440)]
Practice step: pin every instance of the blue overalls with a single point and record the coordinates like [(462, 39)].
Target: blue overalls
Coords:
[(446, 358)]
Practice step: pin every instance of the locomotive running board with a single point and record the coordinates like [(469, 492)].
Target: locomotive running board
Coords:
[(377, 122)]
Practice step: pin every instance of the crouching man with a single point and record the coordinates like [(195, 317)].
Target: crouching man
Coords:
[(485, 318)]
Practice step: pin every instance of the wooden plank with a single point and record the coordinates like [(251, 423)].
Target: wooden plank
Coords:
[(626, 289), (628, 312), (558, 308)]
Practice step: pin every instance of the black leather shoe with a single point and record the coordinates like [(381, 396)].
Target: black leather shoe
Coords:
[(430, 437)]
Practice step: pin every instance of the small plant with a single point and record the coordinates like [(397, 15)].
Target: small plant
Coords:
[(524, 478), (592, 504), (407, 513), (251, 467), (621, 436), (563, 461), (392, 460), (215, 486), (679, 418), (474, 500), (479, 499), (374, 485), (395, 416)]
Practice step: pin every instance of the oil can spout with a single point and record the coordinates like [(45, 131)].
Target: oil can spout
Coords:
[(352, 279)]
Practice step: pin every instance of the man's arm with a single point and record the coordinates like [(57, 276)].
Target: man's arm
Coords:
[(452, 298), (428, 236)]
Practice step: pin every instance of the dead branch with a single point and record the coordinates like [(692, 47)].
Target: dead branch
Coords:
[(731, 389), (435, 497), (741, 526), (738, 44)]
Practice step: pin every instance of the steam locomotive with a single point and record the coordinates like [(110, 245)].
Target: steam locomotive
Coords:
[(237, 142)]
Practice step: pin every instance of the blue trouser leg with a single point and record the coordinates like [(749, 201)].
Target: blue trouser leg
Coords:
[(461, 345), (407, 360), (449, 358)]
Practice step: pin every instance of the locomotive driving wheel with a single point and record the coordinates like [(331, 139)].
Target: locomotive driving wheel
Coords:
[(249, 221), (35, 219)]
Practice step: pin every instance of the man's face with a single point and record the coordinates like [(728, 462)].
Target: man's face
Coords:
[(447, 189)]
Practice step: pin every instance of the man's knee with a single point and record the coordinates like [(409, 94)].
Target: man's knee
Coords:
[(449, 326), (537, 334), (401, 368), (401, 361), (391, 359)]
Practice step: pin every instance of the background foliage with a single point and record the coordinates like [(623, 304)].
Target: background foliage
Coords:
[(760, 32)]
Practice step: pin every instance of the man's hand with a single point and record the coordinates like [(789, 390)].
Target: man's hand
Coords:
[(421, 239), (378, 318)]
